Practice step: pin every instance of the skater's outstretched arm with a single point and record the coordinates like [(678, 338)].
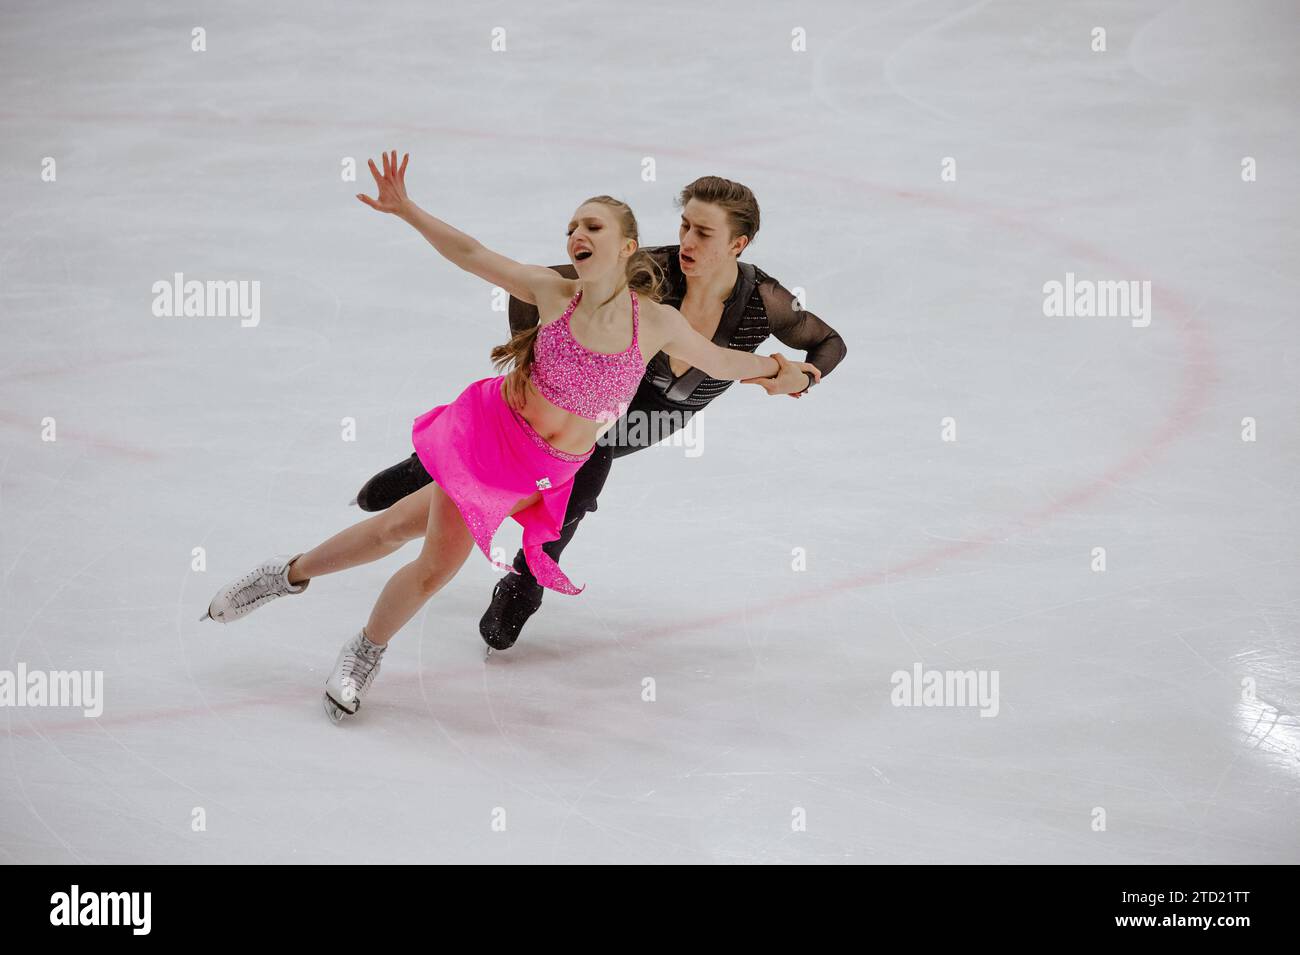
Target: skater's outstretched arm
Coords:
[(673, 335), (524, 282)]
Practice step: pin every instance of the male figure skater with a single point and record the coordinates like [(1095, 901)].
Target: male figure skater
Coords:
[(734, 303)]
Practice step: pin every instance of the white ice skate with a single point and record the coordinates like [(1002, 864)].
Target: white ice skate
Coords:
[(259, 586), (354, 671)]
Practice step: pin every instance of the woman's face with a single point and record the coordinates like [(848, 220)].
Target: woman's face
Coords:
[(596, 246)]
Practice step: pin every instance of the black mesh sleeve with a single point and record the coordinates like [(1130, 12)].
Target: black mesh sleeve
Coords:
[(800, 328), (522, 315)]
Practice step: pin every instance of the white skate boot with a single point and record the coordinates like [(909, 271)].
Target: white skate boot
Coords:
[(354, 671), (259, 586)]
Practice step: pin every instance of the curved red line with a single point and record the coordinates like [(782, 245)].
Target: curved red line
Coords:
[(1198, 367)]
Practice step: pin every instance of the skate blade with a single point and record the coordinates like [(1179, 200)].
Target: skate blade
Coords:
[(334, 711)]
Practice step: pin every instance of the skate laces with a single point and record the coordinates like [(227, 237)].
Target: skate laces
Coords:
[(363, 659), (258, 580)]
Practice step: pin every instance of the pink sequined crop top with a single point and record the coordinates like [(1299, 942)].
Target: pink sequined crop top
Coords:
[(590, 384)]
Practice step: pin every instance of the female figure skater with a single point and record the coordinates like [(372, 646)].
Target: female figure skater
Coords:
[(488, 460), (733, 302)]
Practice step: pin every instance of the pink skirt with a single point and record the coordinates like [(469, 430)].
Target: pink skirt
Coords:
[(486, 457)]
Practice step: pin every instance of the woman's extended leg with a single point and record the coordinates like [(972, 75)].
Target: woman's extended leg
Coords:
[(361, 543), (367, 540), (447, 542)]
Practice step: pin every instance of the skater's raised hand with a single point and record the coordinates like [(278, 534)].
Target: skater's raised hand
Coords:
[(789, 380), (392, 185)]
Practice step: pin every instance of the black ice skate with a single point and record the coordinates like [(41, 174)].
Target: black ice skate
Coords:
[(515, 598), (392, 484)]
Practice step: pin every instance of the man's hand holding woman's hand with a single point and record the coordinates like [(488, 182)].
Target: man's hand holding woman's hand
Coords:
[(790, 377)]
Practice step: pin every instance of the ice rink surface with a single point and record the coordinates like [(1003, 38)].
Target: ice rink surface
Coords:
[(1146, 713)]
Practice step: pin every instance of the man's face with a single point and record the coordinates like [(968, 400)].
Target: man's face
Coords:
[(705, 238)]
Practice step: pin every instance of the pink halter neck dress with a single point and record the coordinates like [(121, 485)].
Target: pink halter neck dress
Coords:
[(486, 457)]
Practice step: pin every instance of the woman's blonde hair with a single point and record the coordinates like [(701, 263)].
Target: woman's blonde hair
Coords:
[(643, 275)]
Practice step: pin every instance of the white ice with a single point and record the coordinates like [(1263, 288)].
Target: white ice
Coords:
[(1147, 713)]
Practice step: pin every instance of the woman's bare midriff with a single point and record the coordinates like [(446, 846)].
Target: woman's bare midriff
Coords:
[(561, 429)]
